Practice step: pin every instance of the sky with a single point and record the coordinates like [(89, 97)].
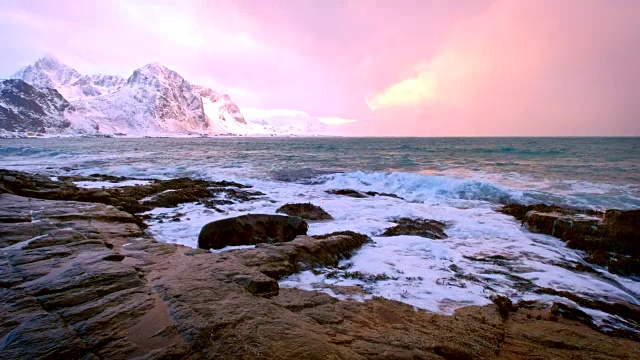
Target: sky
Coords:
[(366, 67)]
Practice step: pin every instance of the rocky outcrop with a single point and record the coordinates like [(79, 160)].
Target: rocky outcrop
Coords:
[(359, 194), (250, 229), (25, 108), (132, 199), (431, 229), (610, 238), (82, 280), (623, 228), (306, 211), (347, 192)]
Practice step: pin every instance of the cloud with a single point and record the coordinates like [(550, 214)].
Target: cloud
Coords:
[(523, 68), (291, 116), (333, 120), (258, 114), (407, 92), (466, 67)]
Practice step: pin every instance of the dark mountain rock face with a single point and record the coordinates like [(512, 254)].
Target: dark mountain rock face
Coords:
[(27, 108)]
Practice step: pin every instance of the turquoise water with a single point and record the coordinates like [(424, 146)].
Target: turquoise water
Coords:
[(586, 172)]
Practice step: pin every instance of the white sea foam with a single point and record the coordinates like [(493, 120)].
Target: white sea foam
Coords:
[(486, 253)]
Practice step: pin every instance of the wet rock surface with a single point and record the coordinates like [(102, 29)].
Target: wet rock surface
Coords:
[(610, 238), (359, 194), (431, 229), (133, 199), (251, 229), (306, 211), (82, 280)]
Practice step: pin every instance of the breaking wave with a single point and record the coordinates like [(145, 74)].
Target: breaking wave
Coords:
[(418, 187), (29, 151)]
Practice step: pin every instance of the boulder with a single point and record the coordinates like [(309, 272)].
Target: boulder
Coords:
[(251, 229), (358, 194), (306, 211), (347, 192), (623, 229), (431, 229), (303, 253)]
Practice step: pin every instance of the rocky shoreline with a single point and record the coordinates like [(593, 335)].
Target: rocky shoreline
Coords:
[(82, 279)]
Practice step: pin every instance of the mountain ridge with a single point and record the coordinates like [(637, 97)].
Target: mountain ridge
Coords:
[(153, 101)]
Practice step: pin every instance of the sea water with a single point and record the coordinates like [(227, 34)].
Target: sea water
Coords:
[(460, 181)]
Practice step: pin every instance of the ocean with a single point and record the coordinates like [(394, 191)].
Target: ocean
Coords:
[(460, 181)]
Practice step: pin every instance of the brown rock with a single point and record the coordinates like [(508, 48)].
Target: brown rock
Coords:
[(347, 192), (504, 304), (625, 266), (571, 313), (161, 193), (250, 230), (610, 239), (623, 228), (173, 198), (431, 229), (306, 211), (358, 194)]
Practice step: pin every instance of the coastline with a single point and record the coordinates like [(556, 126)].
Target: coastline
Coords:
[(89, 271)]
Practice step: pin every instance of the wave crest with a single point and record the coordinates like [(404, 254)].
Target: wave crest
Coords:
[(28, 151), (418, 187)]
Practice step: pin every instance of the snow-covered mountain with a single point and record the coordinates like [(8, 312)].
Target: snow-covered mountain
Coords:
[(154, 100)]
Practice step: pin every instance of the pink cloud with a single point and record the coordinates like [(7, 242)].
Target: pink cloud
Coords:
[(500, 67)]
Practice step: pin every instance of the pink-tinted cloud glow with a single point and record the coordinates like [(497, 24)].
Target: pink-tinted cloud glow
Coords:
[(406, 67)]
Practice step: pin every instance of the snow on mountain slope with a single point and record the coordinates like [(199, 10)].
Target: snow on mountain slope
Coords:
[(50, 73), (153, 101), (223, 116)]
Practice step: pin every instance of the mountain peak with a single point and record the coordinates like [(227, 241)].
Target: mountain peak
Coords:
[(155, 67), (49, 59), (47, 71), (152, 73)]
